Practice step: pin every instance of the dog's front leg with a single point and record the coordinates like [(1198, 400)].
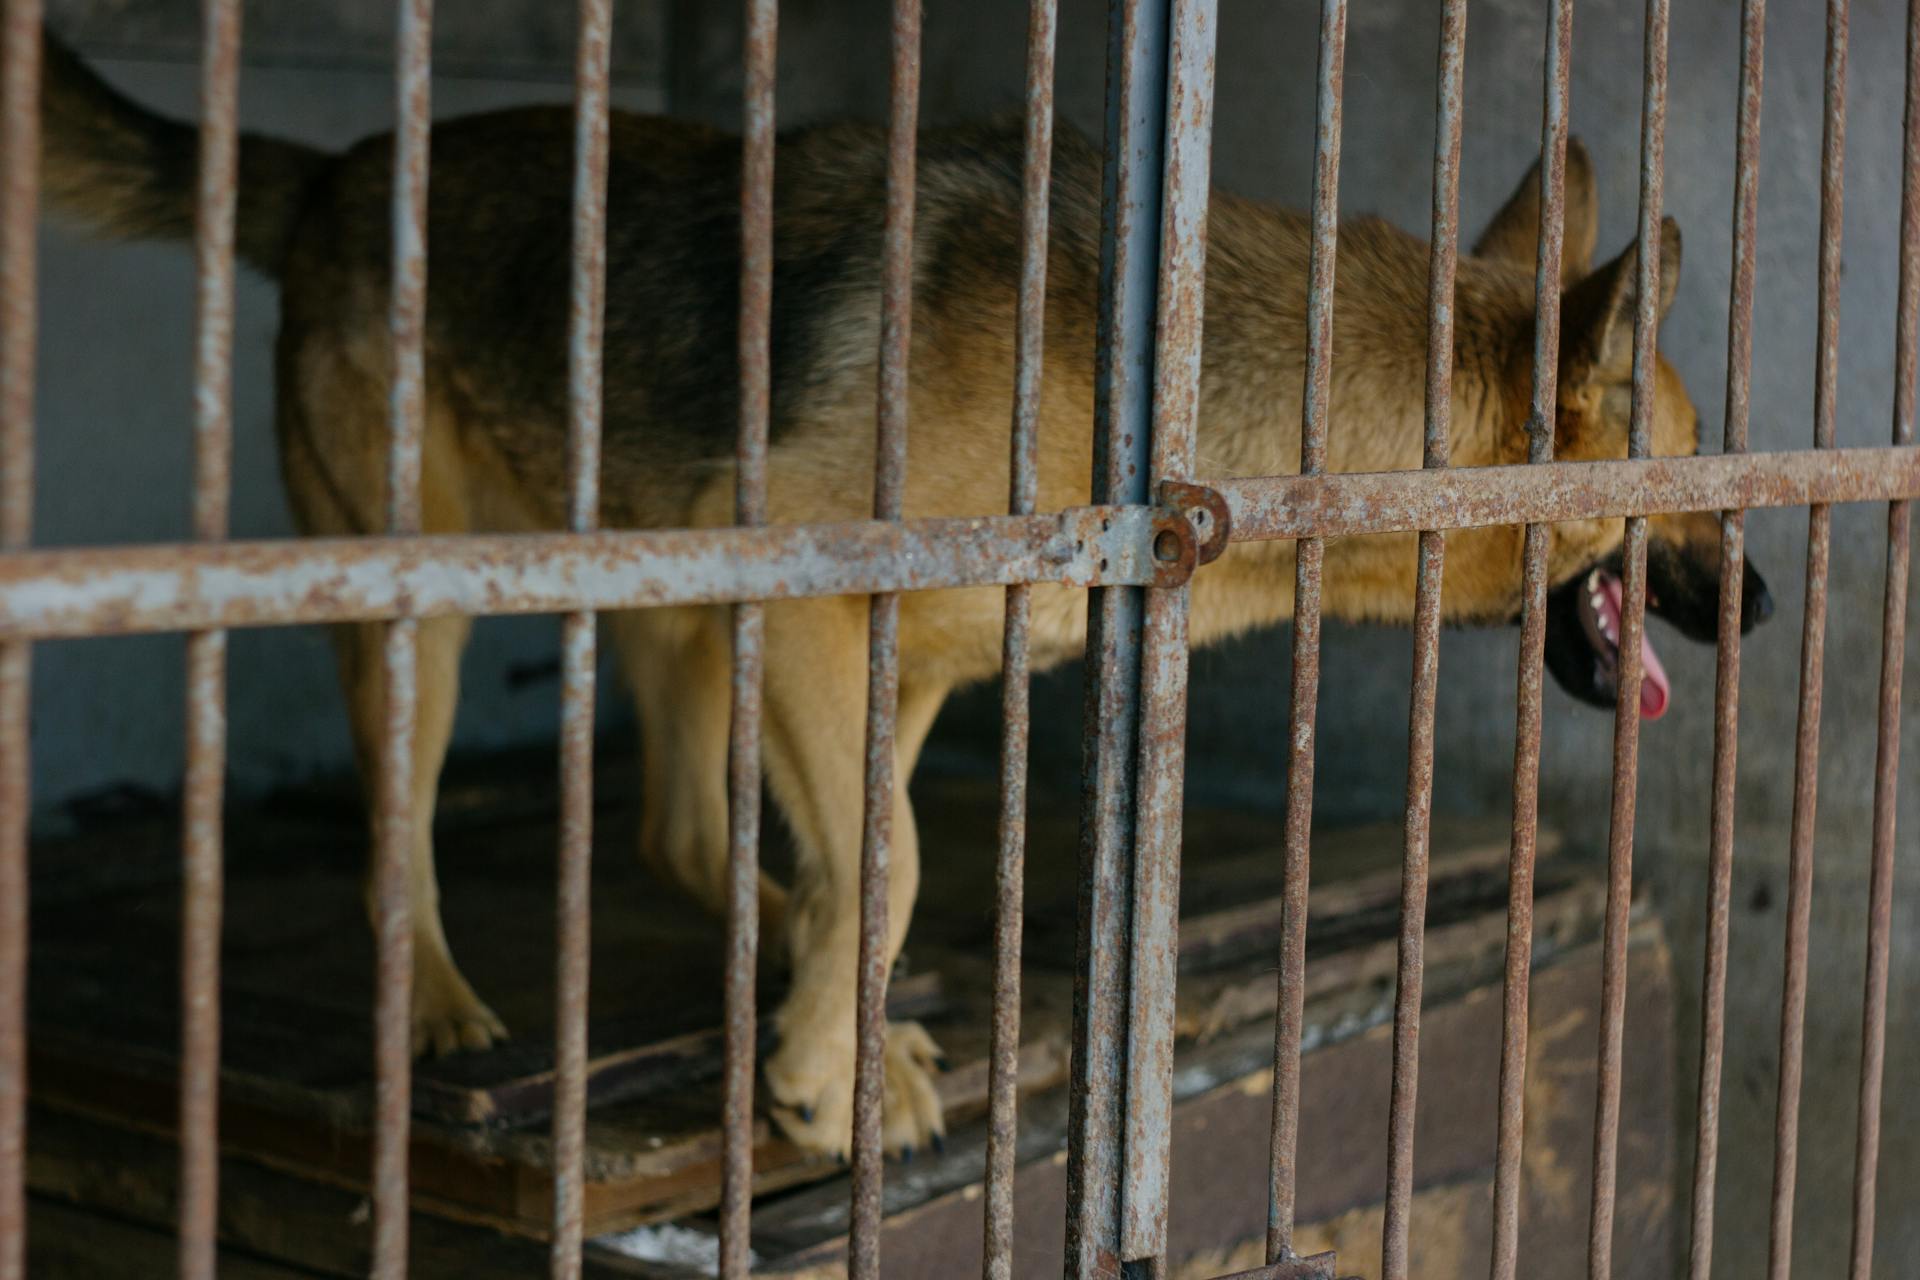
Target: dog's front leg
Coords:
[(816, 726)]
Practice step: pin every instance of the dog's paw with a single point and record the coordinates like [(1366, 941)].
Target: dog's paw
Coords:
[(448, 1016), (812, 1090)]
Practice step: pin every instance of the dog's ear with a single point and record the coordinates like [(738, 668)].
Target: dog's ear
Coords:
[(1514, 233), (1597, 314)]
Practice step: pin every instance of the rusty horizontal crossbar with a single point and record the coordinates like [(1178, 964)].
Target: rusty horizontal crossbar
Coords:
[(176, 587), (1344, 505)]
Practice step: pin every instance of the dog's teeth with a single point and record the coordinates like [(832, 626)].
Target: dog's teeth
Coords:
[(1594, 600)]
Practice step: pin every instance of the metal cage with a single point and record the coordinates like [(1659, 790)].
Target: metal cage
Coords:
[(1153, 522)]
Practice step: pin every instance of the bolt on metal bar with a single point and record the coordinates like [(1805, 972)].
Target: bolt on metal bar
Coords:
[(1893, 645), (19, 207), (1806, 756), (883, 648), (1726, 700), (1123, 356), (748, 640), (1016, 662), (1510, 1137), (1160, 772), (586, 326), (206, 712), (1290, 1011), (1443, 261), (1626, 711), (396, 816)]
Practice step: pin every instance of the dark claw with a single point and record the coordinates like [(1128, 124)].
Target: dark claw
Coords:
[(806, 1115), (943, 1062), (840, 1158), (906, 1156), (939, 1144)]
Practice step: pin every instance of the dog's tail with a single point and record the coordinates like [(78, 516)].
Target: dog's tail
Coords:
[(124, 171)]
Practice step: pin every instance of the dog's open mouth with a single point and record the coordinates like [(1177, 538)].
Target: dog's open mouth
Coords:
[(1599, 609)]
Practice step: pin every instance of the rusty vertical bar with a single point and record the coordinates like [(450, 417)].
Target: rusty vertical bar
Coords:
[(1305, 690), (1626, 711), (1523, 841), (1813, 636), (1123, 376), (883, 650), (749, 629), (1443, 259), (1893, 644), (1726, 701), (207, 650), (395, 816), (19, 209), (1016, 666), (586, 324), (1160, 773)]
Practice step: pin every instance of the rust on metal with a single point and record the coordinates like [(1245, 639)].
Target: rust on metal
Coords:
[(1304, 691), (19, 208), (749, 631), (1363, 502), (883, 644), (1160, 771), (1806, 755), (206, 711), (1626, 712), (1893, 645), (395, 817), (1016, 660), (1206, 510), (586, 324), (121, 590), (1123, 365), (1726, 701), (1510, 1137), (1443, 261)]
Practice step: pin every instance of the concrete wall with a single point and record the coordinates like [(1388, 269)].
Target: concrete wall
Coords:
[(115, 465)]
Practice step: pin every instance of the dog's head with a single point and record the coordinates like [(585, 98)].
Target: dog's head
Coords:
[(1595, 404)]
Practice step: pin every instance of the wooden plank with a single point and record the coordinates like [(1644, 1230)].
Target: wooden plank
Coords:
[(1220, 1148), (68, 1243)]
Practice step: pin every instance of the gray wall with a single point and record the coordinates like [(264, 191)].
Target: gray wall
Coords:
[(114, 407)]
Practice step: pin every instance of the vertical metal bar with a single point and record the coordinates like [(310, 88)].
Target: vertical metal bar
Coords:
[(883, 637), (1511, 1135), (586, 324), (1015, 713), (1726, 701), (1626, 711), (207, 650), (394, 809), (1893, 645), (1443, 259), (1161, 771), (1129, 257), (749, 629), (1289, 1017), (19, 210), (1813, 636)]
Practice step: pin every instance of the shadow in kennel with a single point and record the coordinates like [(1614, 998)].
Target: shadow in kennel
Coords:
[(296, 1080)]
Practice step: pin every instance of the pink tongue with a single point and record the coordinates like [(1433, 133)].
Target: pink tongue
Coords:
[(1654, 689)]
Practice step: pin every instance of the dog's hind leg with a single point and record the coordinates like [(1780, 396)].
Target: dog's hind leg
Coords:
[(331, 421), (678, 664), (816, 735), (447, 1015)]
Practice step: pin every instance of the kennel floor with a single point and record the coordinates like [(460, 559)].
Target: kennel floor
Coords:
[(296, 1044)]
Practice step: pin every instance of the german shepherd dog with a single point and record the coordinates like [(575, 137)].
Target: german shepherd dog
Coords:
[(499, 228)]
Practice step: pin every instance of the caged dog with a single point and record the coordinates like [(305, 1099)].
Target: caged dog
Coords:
[(499, 228)]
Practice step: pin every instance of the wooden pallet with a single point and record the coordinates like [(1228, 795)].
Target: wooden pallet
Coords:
[(298, 985)]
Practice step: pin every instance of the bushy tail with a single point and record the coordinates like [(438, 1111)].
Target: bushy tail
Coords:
[(124, 171)]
